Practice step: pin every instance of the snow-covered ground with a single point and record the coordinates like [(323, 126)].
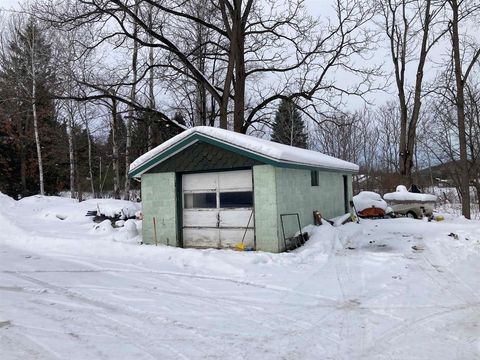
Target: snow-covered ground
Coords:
[(359, 291)]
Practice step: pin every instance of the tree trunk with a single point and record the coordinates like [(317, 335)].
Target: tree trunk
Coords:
[(71, 154), (131, 111), (23, 169), (200, 118), (115, 157), (35, 116), (78, 182), (460, 105), (417, 99), (226, 91), (151, 80), (90, 167), (238, 39), (399, 41), (477, 192), (239, 101)]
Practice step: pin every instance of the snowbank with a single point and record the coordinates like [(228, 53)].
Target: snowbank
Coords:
[(368, 199), (75, 211), (122, 209), (402, 194), (6, 201)]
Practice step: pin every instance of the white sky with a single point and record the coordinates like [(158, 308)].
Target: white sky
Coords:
[(323, 9), (8, 3)]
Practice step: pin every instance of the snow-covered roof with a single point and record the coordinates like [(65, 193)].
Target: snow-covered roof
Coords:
[(263, 150)]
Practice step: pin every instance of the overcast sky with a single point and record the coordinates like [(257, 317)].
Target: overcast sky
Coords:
[(8, 3), (321, 8)]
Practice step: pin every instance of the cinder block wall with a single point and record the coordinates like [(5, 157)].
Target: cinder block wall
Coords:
[(159, 202), (265, 202), (276, 191), (296, 195)]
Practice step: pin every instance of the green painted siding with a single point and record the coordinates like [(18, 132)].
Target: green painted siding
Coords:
[(276, 191), (296, 195), (266, 222), (159, 201)]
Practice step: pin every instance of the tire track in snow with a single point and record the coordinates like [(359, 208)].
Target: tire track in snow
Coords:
[(179, 274), (230, 303), (397, 331), (133, 313), (102, 304), (453, 280)]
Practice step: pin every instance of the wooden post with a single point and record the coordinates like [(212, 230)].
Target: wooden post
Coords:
[(155, 231)]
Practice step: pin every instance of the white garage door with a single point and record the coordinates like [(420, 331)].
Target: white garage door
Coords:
[(218, 209)]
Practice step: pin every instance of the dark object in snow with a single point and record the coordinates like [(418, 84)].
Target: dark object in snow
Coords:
[(352, 205), (417, 248), (341, 220), (372, 213), (455, 236), (295, 241), (317, 218), (414, 189), (5, 323), (98, 217), (351, 248)]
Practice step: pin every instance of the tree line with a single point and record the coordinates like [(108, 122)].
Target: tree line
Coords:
[(88, 85)]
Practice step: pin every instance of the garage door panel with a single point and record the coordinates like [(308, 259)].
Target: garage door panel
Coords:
[(241, 179), (237, 218), (231, 237), (201, 238), (203, 181), (223, 220), (200, 218)]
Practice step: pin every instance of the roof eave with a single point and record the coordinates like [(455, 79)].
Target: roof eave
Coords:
[(194, 137)]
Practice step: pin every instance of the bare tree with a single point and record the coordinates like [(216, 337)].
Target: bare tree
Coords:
[(131, 110), (388, 121), (246, 41), (412, 27), (463, 63)]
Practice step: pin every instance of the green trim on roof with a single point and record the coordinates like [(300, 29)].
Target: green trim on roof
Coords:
[(194, 137)]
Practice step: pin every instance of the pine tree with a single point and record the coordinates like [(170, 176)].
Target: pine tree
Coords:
[(289, 127), (26, 82)]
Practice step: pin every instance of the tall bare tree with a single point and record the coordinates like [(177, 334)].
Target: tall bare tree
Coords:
[(247, 41), (465, 55), (412, 27), (131, 110)]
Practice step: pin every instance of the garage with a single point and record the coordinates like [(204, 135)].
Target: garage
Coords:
[(218, 209), (211, 188)]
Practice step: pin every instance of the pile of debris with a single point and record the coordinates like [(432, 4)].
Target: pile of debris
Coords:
[(116, 215)]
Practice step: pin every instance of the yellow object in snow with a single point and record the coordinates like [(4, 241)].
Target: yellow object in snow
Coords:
[(439, 218), (240, 247)]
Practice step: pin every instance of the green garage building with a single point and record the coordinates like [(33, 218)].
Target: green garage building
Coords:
[(213, 188)]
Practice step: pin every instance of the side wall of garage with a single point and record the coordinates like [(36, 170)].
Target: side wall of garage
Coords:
[(265, 201), (159, 202), (295, 194)]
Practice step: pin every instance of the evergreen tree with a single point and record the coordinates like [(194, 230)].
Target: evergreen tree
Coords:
[(26, 64), (289, 127)]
